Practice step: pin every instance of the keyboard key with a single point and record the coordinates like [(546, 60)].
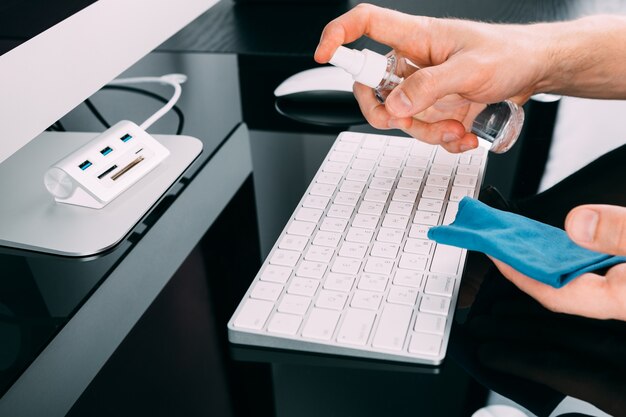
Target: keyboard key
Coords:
[(365, 221), (419, 231), (421, 148), (408, 278), (385, 250), (300, 228), (426, 217), (402, 295), (386, 234), (347, 146), (438, 180), (285, 257), (332, 300), (446, 259), (340, 212), (392, 327), (338, 282), (465, 159), (366, 299), (444, 157), (425, 344), (439, 285), (329, 239), (373, 282), (379, 265), (381, 184), (438, 193), (330, 224), (465, 181), (363, 164), (328, 178), (405, 183), (266, 291), (391, 173), (374, 142), (356, 234), (457, 193), (370, 207), (294, 304), (398, 207), (418, 246), (417, 161), (413, 262), (371, 154), (356, 327), (284, 324), (346, 199), (395, 152), (435, 304), (427, 204), (303, 286), (309, 214), (273, 273), (413, 172), (408, 196), (357, 175), (430, 323), (352, 187), (395, 221), (353, 137), (337, 156), (476, 160), (317, 202), (441, 169), (390, 162), (319, 254), (401, 142), (323, 190), (335, 167), (353, 250), (451, 211), (470, 170), (321, 324), (343, 265), (310, 269), (379, 196), (293, 242), (253, 314)]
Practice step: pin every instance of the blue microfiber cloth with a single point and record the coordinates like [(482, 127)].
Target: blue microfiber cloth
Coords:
[(535, 249)]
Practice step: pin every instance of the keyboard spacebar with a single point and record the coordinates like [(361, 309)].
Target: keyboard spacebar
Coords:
[(446, 259)]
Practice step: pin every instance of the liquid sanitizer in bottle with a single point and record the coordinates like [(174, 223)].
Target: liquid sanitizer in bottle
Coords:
[(498, 123)]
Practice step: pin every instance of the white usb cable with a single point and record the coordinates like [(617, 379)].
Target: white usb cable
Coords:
[(174, 80)]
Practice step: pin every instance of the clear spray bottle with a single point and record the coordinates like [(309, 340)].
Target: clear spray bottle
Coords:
[(498, 123)]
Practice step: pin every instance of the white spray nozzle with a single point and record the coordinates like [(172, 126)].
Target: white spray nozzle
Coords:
[(366, 67)]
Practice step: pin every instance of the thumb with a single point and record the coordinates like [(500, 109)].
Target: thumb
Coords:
[(601, 228), (423, 88)]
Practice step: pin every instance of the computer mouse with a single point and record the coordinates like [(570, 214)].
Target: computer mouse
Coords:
[(499, 411), (320, 96)]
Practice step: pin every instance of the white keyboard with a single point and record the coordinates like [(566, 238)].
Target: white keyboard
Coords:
[(353, 272)]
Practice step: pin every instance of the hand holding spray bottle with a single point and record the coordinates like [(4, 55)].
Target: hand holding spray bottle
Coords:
[(498, 123)]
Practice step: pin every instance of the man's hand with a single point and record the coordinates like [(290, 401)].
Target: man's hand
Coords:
[(600, 228), (464, 65)]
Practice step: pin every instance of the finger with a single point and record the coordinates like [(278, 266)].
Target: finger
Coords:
[(448, 133), (383, 25), (423, 88), (601, 228), (588, 295), (374, 112)]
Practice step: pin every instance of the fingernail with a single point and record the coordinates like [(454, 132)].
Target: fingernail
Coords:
[(449, 137), (465, 147), (582, 225), (400, 101)]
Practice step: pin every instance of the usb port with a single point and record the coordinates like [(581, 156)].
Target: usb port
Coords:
[(85, 165), (106, 151), (126, 138)]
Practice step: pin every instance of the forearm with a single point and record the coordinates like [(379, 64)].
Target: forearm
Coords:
[(585, 57)]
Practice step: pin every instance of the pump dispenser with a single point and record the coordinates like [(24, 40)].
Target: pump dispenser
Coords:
[(498, 123)]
